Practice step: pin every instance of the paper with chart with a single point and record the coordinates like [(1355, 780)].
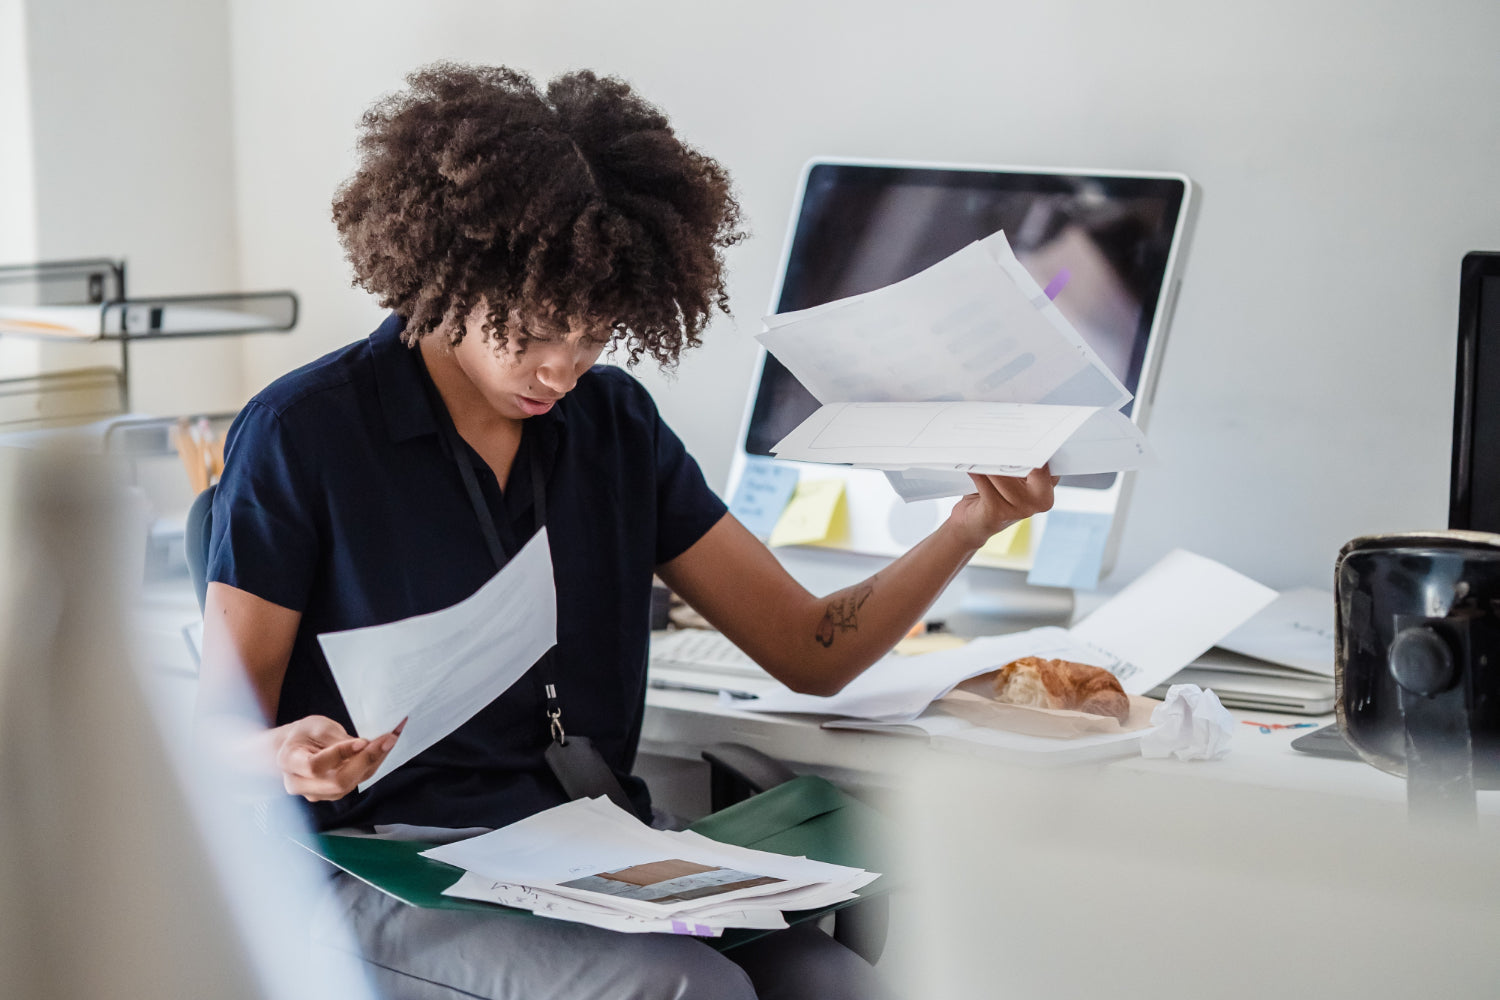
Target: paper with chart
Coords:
[(972, 329), (438, 670), (1160, 623), (589, 861)]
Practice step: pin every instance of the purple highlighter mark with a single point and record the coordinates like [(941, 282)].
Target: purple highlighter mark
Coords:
[(1058, 283), (680, 927), (697, 930)]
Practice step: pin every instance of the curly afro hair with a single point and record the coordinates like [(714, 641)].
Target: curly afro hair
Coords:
[(577, 205)]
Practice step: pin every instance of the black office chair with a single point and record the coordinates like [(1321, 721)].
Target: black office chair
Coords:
[(200, 522), (736, 771)]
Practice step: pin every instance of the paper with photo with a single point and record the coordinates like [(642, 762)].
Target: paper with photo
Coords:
[(438, 670), (545, 904), (592, 851)]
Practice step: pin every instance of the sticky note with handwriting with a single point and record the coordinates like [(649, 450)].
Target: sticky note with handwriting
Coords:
[(1070, 552), (762, 494)]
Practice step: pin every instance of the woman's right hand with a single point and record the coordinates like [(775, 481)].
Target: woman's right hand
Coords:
[(320, 761)]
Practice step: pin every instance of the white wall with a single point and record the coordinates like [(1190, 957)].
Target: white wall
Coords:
[(1346, 148), (131, 158), (17, 187)]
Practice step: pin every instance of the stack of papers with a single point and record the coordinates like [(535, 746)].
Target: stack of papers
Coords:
[(964, 367), (593, 863), (1176, 611), (1282, 660)]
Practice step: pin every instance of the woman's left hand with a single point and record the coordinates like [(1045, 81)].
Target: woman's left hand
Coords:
[(1001, 502)]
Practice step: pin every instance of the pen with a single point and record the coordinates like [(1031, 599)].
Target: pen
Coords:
[(700, 689)]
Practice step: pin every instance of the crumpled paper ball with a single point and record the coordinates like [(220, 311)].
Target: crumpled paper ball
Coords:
[(1191, 724)]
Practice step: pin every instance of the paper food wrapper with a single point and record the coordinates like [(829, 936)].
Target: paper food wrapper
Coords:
[(971, 702)]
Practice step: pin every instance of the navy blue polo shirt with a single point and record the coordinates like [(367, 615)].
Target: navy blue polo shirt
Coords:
[(340, 500)]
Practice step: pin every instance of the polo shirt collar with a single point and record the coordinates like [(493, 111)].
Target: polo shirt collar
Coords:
[(399, 380), (402, 383)]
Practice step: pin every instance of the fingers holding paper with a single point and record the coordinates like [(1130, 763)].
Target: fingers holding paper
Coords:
[(320, 760), (1001, 501)]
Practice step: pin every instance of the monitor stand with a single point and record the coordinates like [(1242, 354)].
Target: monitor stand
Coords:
[(993, 602), (981, 601)]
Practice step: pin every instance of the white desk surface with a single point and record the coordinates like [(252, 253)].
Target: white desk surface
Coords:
[(680, 723)]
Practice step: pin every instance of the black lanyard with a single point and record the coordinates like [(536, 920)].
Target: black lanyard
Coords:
[(575, 762)]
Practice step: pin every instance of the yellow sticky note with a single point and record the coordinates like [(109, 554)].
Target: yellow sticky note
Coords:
[(813, 514), (1010, 549)]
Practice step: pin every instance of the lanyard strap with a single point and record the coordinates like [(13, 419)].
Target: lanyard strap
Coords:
[(576, 763), (544, 667)]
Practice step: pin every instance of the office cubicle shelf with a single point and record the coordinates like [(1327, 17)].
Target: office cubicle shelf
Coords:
[(85, 301)]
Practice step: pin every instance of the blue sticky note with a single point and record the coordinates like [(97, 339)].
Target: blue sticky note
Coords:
[(1071, 551), (762, 495)]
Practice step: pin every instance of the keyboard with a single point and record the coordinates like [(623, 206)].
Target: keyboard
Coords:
[(702, 651)]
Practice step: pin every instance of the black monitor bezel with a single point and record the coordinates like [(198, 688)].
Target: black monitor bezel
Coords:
[(1477, 266), (1174, 191)]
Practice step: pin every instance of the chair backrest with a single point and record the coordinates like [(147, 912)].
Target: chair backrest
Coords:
[(200, 523)]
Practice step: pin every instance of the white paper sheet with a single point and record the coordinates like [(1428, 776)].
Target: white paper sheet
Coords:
[(1153, 628), (555, 849), (899, 688), (437, 670), (1295, 630), (1171, 615), (960, 330), (546, 904), (999, 438), (966, 366)]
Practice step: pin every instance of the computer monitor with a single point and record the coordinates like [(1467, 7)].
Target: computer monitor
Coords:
[(1108, 245), (1474, 493)]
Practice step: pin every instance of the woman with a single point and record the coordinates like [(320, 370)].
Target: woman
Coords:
[(516, 234)]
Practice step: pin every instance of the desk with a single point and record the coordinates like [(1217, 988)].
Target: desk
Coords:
[(678, 724)]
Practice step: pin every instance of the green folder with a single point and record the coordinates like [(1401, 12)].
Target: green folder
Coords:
[(806, 816)]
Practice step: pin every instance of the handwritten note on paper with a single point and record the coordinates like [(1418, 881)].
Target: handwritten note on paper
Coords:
[(762, 494), (811, 516), (1070, 552)]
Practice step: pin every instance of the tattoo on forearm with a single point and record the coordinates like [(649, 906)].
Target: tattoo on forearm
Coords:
[(842, 613)]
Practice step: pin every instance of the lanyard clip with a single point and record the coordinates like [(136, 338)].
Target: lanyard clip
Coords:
[(554, 715)]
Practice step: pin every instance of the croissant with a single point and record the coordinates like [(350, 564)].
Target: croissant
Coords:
[(1062, 684)]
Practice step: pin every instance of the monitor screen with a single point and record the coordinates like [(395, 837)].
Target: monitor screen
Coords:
[(1100, 244), (1107, 246), (1474, 501)]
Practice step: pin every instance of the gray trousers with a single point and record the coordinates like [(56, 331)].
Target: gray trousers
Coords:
[(422, 954)]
